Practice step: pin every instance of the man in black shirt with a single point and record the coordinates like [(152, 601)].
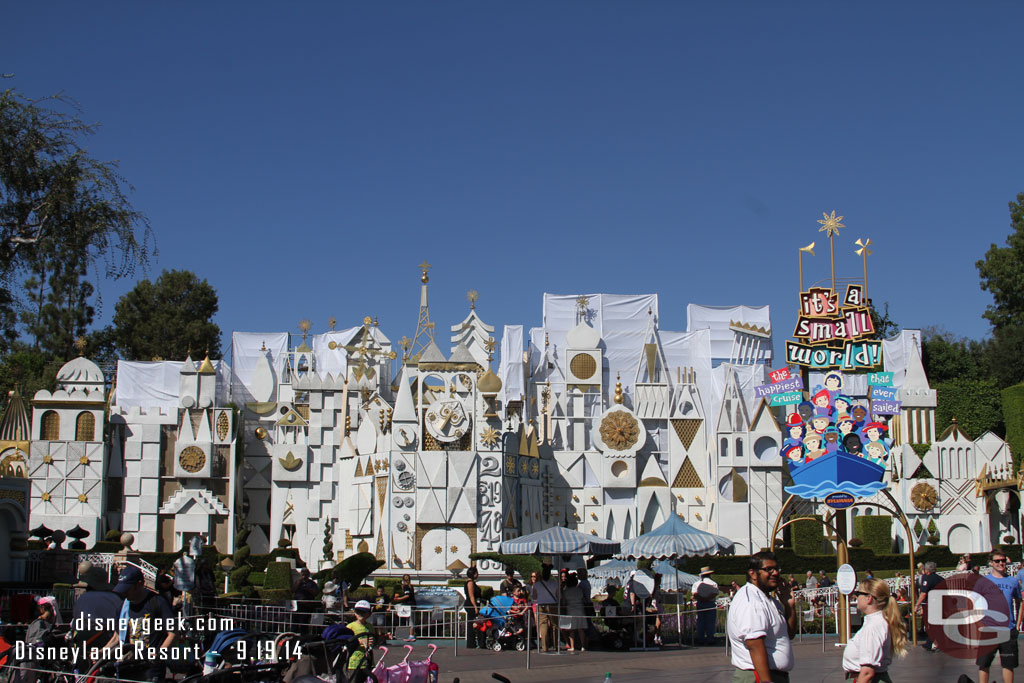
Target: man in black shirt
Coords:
[(510, 582), (143, 620), (407, 596)]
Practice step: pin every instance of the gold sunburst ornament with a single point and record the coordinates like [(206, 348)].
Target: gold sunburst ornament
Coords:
[(830, 226), (619, 430), (490, 437), (923, 496)]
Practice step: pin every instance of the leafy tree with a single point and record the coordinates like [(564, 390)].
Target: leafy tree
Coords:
[(29, 370), (167, 318), (946, 357), (885, 326), (1002, 273), (57, 202)]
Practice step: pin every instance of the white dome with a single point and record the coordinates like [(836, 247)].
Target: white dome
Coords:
[(80, 370), (583, 336)]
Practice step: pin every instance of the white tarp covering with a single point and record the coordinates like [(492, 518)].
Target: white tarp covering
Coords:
[(245, 351), (328, 360), (717, 319), (511, 371), (155, 384)]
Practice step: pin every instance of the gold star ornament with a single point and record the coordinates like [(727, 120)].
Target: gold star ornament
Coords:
[(490, 437)]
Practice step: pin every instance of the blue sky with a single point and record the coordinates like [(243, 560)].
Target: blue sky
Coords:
[(305, 157)]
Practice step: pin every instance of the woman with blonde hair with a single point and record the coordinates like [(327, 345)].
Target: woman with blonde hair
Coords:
[(868, 655)]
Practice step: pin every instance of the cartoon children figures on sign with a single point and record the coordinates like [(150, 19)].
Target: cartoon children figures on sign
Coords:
[(832, 423)]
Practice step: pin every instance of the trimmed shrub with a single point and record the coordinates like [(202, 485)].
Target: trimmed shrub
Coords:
[(1013, 418), (257, 578), (875, 531), (808, 538), (352, 570), (390, 585), (278, 577), (113, 535)]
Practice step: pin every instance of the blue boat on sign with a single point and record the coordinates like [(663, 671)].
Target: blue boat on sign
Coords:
[(835, 472)]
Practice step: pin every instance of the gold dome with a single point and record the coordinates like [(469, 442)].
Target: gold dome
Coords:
[(489, 383)]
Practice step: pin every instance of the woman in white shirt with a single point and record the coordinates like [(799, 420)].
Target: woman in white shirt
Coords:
[(867, 657)]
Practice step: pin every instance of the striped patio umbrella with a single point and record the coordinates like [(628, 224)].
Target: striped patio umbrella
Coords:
[(674, 538), (672, 579), (559, 541)]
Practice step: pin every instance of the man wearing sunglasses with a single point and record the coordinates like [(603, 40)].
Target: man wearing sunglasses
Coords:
[(1011, 591), (760, 626)]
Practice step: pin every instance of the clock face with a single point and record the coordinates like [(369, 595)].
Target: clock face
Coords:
[(447, 420)]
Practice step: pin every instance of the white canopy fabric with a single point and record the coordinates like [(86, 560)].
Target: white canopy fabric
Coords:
[(155, 384), (245, 351), (328, 360), (559, 541), (511, 371), (717, 319)]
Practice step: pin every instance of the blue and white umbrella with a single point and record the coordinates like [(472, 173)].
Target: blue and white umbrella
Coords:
[(672, 579), (559, 541), (674, 538)]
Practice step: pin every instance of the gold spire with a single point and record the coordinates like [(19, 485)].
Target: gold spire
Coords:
[(424, 267), (618, 388), (472, 296), (331, 323), (305, 325), (207, 367), (80, 344)]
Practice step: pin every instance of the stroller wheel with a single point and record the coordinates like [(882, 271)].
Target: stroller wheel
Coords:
[(521, 644), (495, 645)]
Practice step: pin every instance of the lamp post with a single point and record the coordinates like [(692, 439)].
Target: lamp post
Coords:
[(227, 564)]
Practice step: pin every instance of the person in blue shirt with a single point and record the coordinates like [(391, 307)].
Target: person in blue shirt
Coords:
[(1010, 588)]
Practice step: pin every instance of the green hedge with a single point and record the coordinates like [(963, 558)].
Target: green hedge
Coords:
[(523, 564), (257, 578), (861, 559), (352, 570), (807, 538), (1013, 418), (279, 577), (875, 531), (390, 585)]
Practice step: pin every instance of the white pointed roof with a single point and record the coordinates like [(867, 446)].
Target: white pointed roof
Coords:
[(432, 354), (189, 366), (405, 408), (916, 392), (461, 354), (583, 336)]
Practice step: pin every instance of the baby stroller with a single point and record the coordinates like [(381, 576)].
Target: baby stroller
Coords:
[(505, 631)]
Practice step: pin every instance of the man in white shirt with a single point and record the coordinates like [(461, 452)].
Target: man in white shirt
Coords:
[(705, 591), (812, 581), (760, 626)]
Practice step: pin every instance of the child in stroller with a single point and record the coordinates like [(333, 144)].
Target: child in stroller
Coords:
[(503, 621)]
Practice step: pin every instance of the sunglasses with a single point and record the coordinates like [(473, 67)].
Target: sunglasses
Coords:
[(1002, 560), (771, 570)]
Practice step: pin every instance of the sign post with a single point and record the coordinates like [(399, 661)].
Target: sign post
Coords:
[(846, 582)]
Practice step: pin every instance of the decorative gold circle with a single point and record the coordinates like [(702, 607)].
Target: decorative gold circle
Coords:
[(261, 433), (82, 498), (84, 460), (48, 459), (619, 430), (438, 550), (923, 496), (192, 459), (583, 366), (45, 497)]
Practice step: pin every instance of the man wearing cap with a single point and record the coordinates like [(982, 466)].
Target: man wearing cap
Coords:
[(143, 620), (705, 591), (95, 605)]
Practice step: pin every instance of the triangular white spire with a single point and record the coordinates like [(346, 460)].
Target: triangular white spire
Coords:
[(405, 408)]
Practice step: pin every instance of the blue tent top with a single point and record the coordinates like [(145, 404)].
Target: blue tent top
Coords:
[(673, 538)]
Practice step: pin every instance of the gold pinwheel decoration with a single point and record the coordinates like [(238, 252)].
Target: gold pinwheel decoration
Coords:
[(305, 325), (864, 252), (830, 225), (472, 296), (332, 322)]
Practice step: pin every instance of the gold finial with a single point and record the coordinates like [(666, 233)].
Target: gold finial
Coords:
[(425, 267), (80, 344), (489, 345), (581, 303), (809, 249), (471, 296), (376, 323), (547, 342), (367, 321), (830, 226), (263, 346), (618, 388), (348, 425), (332, 322), (305, 325)]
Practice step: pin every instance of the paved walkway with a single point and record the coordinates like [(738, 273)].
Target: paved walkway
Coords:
[(699, 665)]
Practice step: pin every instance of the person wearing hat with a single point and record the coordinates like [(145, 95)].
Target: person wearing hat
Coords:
[(705, 591), (361, 630), (795, 427), (38, 633), (143, 619), (94, 604)]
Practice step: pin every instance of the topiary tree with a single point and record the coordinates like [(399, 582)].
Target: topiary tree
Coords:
[(328, 542), (352, 570)]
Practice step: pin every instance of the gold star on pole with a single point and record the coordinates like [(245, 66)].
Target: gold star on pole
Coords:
[(830, 226), (471, 296)]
